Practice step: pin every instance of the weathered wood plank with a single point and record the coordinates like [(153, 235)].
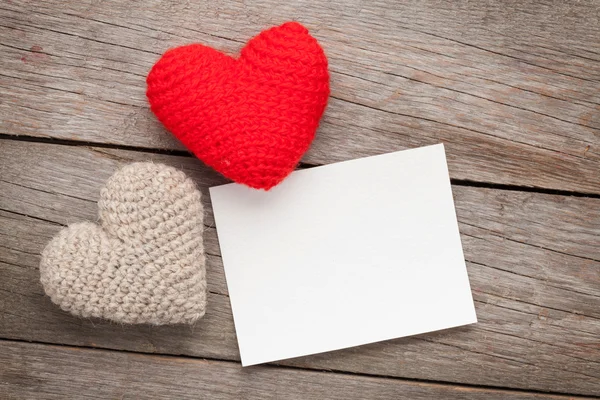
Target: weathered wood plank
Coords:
[(512, 90), (533, 262), (33, 371)]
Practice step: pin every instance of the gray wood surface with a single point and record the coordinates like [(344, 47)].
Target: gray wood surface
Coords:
[(53, 372), (512, 88), (533, 262)]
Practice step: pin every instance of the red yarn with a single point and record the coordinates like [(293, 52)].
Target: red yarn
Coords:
[(250, 118)]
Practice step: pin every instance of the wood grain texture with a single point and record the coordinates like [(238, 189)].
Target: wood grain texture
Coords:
[(52, 372), (533, 262), (512, 88)]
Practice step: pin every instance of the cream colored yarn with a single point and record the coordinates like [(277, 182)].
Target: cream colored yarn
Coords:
[(145, 262)]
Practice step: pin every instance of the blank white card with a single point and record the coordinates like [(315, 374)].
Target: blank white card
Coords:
[(343, 255)]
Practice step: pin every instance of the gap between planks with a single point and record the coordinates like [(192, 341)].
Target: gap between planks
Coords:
[(275, 366), (301, 165)]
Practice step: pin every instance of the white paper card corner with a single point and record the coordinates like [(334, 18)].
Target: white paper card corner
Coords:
[(343, 255)]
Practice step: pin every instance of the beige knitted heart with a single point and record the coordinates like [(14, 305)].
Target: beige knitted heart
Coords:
[(144, 263)]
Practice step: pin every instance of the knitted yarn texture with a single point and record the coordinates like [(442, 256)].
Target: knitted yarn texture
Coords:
[(251, 118), (144, 263)]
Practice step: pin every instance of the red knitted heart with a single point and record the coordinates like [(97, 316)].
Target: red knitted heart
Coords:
[(250, 118)]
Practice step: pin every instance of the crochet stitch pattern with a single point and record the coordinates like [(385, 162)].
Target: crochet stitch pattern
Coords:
[(250, 118), (144, 263)]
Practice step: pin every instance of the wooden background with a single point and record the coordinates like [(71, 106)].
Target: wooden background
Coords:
[(511, 88)]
